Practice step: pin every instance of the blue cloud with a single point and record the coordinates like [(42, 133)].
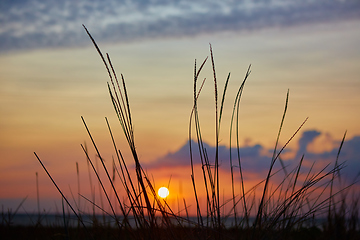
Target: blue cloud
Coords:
[(256, 160), (250, 156), (349, 156), (306, 138), (31, 24)]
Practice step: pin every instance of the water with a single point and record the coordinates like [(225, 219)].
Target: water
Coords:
[(70, 220)]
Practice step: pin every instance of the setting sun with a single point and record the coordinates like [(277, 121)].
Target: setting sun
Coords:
[(163, 192)]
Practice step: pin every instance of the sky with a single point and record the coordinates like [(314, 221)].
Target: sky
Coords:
[(51, 75)]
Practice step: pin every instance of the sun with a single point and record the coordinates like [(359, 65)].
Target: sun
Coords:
[(163, 192)]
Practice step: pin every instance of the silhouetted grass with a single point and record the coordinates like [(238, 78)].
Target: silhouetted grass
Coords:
[(286, 210)]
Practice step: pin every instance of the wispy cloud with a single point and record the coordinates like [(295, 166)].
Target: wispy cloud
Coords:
[(29, 24), (256, 159)]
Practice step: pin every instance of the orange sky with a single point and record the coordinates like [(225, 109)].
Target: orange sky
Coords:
[(43, 93)]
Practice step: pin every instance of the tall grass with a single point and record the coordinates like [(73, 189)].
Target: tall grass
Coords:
[(280, 212)]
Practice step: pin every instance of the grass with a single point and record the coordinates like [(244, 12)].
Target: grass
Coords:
[(285, 210)]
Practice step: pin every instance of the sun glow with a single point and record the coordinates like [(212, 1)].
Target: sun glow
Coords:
[(163, 192)]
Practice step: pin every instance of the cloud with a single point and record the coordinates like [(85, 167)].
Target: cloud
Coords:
[(306, 138), (255, 159), (32, 24), (251, 156), (349, 156)]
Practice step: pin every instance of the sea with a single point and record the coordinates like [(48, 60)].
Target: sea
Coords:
[(71, 220)]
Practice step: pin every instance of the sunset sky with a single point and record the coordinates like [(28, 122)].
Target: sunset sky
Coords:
[(51, 75)]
